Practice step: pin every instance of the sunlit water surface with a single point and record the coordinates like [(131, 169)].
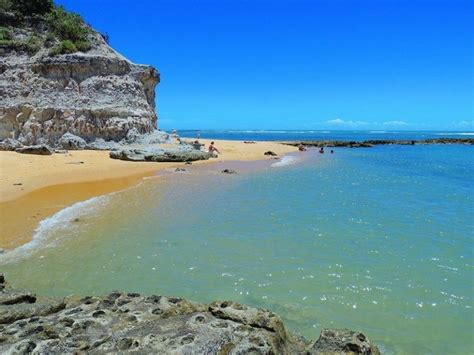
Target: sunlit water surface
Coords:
[(376, 239)]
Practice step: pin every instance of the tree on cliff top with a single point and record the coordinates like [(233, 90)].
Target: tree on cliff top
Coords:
[(67, 30), (27, 7)]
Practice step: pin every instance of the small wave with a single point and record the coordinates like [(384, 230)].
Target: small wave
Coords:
[(377, 132), (286, 160), (263, 131), (455, 134), (43, 236)]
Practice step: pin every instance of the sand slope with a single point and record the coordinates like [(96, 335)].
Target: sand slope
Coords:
[(51, 183)]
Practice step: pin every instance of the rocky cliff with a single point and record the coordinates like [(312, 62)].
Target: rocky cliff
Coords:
[(128, 322), (96, 93)]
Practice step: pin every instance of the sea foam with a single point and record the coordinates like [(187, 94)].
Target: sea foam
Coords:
[(286, 160), (46, 234)]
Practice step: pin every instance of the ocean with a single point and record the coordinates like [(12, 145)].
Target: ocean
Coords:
[(308, 135), (373, 239)]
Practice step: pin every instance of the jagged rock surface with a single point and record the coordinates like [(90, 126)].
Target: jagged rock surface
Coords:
[(71, 141), (342, 341), (97, 94), (129, 322), (10, 144), (180, 154)]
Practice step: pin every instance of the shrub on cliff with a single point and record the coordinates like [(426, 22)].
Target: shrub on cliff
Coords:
[(70, 29), (5, 34), (65, 31), (64, 47), (5, 5), (67, 25)]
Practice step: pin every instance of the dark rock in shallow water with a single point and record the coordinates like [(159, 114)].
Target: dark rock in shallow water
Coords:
[(371, 143), (228, 171), (9, 144), (342, 341), (9, 297), (270, 153), (181, 154), (72, 142), (35, 149), (129, 322)]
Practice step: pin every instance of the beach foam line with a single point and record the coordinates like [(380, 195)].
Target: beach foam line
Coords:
[(285, 161), (63, 220)]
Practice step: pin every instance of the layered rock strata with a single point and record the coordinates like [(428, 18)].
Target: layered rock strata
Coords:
[(97, 94)]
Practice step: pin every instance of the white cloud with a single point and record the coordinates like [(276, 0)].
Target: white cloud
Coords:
[(341, 122), (395, 123)]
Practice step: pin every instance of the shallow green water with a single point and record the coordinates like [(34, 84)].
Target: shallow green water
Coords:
[(378, 240)]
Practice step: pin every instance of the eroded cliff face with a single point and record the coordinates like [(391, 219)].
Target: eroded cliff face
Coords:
[(97, 94)]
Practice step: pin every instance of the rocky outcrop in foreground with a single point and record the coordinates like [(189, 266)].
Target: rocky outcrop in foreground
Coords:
[(371, 143), (129, 322)]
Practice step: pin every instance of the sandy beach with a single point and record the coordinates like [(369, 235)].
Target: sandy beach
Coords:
[(34, 187)]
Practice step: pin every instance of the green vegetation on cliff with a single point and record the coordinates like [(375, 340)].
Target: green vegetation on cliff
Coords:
[(55, 28)]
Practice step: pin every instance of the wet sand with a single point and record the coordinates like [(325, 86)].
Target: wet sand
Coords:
[(35, 187)]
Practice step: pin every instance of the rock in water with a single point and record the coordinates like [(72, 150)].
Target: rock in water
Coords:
[(333, 341), (35, 149), (270, 153), (181, 154), (95, 94), (72, 142)]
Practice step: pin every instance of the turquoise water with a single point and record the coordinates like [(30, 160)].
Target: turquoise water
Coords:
[(376, 239), (307, 135)]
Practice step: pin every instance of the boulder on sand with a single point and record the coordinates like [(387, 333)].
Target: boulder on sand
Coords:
[(35, 149), (181, 154), (9, 144), (71, 142)]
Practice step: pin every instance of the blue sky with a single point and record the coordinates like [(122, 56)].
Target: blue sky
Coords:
[(300, 64)]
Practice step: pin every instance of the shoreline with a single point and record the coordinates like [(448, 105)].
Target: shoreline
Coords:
[(52, 183)]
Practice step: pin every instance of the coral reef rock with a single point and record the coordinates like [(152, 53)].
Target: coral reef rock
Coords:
[(128, 322)]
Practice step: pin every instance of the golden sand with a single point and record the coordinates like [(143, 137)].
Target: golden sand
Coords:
[(33, 187)]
